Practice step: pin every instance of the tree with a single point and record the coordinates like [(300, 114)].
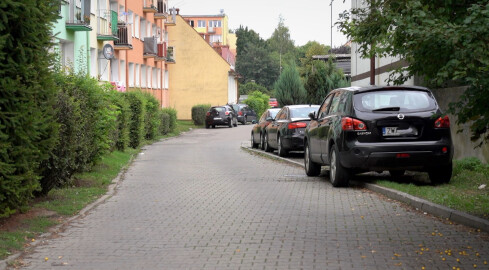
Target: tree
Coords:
[(27, 96), (289, 88), (258, 101), (313, 48), (254, 63), (249, 87), (281, 45), (322, 78), (445, 42)]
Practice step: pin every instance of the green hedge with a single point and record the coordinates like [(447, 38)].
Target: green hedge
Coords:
[(27, 97), (173, 117), (136, 117), (198, 113), (164, 122), (151, 117)]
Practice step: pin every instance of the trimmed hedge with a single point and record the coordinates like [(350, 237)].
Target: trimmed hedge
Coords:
[(164, 123), (173, 117), (151, 117), (136, 117), (198, 113), (27, 97)]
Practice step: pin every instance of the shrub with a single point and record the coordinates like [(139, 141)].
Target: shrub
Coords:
[(120, 136), (164, 122), (289, 89), (173, 117), (136, 117), (87, 126), (198, 113), (27, 96), (258, 102), (151, 117)]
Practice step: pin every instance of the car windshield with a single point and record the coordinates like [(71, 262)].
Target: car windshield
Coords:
[(395, 100), (302, 112)]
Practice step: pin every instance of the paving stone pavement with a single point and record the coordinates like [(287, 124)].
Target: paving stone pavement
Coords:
[(200, 202)]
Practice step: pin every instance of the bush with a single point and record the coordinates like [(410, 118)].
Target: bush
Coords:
[(136, 117), (87, 126), (289, 89), (120, 136), (151, 117), (164, 122), (27, 96), (198, 113), (258, 102), (173, 117)]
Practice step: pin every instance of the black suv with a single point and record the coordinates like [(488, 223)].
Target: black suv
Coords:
[(359, 129), (245, 113), (221, 115)]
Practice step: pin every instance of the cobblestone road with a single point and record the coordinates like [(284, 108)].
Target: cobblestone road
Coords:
[(200, 202)]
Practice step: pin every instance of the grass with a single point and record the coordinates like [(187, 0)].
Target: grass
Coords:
[(64, 202), (462, 193)]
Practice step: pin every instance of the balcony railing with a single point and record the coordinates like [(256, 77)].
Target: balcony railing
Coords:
[(149, 6), (107, 24), (79, 15), (150, 47), (162, 12), (171, 19), (124, 35)]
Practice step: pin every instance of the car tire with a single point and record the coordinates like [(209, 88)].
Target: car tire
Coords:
[(312, 168), (207, 126), (253, 144), (245, 120), (397, 173), (281, 150), (213, 126), (338, 175), (230, 124), (236, 122), (262, 142), (266, 146), (441, 175)]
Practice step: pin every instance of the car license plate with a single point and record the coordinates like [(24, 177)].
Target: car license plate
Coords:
[(217, 118), (390, 131)]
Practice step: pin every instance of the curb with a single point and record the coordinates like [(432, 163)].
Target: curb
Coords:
[(418, 203)]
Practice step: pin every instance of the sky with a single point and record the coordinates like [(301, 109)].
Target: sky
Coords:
[(307, 20)]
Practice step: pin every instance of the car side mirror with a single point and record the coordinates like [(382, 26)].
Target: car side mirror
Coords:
[(253, 121), (312, 115)]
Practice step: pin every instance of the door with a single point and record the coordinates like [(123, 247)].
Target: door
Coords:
[(314, 129)]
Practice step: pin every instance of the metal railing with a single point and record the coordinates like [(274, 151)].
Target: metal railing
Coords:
[(107, 22), (79, 12), (124, 34)]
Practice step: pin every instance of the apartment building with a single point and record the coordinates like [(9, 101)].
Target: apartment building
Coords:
[(123, 42)]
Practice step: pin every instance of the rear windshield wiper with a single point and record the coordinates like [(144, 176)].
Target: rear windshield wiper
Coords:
[(387, 109)]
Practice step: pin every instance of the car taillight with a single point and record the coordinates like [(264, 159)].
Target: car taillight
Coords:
[(208, 113), (348, 123), (227, 113), (442, 122), (240, 113), (295, 125)]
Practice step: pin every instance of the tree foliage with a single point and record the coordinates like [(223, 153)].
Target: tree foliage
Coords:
[(321, 79), (255, 63), (27, 97), (249, 87), (289, 89), (258, 101), (281, 45), (444, 41), (312, 48)]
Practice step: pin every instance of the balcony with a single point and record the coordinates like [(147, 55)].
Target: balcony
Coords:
[(79, 15), (162, 12), (170, 59), (172, 18), (148, 6), (150, 47), (124, 37), (161, 56), (107, 25)]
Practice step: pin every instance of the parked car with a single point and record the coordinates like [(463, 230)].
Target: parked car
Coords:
[(273, 102), (221, 115), (258, 130), (286, 132), (376, 129), (245, 113)]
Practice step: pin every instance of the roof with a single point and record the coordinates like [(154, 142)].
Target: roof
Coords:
[(386, 88), (342, 61)]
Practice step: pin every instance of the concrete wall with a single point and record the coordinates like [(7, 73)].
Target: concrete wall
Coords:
[(463, 146), (199, 75)]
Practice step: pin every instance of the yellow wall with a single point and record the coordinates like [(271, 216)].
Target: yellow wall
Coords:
[(199, 75)]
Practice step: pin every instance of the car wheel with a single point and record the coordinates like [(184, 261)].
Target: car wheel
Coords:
[(236, 122), (266, 147), (230, 124), (337, 173), (281, 150), (253, 144), (207, 126), (312, 168), (441, 175), (397, 173), (245, 120), (262, 142), (213, 126)]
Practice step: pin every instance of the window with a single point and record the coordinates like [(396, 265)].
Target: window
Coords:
[(167, 77), (215, 38), (137, 76), (214, 23), (405, 100), (191, 22), (136, 26), (335, 104), (93, 59), (323, 111), (155, 78), (123, 72), (158, 77), (143, 28), (201, 23), (131, 74), (143, 76)]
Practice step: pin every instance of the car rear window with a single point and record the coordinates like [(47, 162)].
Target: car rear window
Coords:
[(302, 112), (220, 109), (273, 113), (405, 100)]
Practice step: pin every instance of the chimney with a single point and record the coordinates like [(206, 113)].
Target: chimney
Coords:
[(178, 11)]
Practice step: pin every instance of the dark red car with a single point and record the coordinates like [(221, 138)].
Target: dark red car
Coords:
[(273, 103)]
